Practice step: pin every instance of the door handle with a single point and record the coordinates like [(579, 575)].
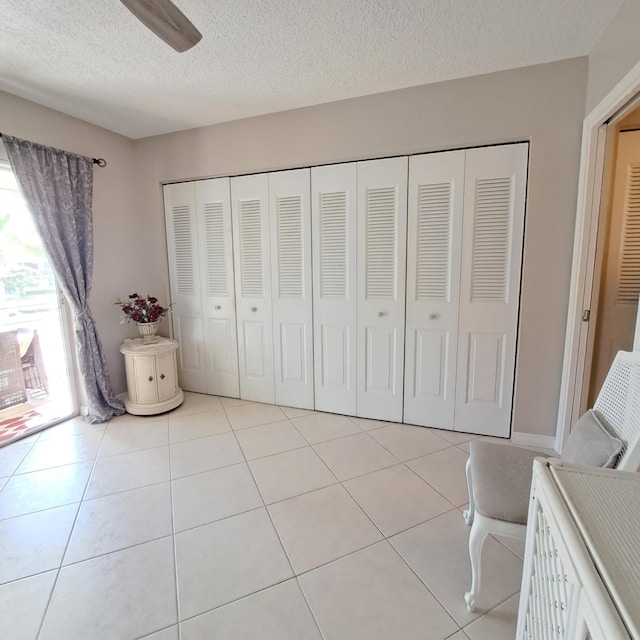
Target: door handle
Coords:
[(217, 307), (150, 378), (433, 316), (162, 376), (380, 314), (254, 309)]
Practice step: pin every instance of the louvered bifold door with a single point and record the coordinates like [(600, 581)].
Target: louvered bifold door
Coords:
[(290, 225), (495, 191), (252, 265), (333, 209), (434, 241), (213, 206), (381, 259), (184, 279)]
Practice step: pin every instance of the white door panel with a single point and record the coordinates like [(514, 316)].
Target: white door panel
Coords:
[(290, 228), (333, 208), (250, 217), (495, 189), (434, 245), (185, 283), (213, 206), (381, 271)]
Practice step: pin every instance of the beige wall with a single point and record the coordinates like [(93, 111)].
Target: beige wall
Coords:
[(615, 53), (119, 252), (542, 104)]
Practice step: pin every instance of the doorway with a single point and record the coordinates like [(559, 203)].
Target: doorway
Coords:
[(619, 102), (36, 385), (616, 289)]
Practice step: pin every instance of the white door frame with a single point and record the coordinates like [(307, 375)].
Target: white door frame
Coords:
[(582, 268)]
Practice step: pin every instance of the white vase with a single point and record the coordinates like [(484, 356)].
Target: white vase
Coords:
[(148, 332)]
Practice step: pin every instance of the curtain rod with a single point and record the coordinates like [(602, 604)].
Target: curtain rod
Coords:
[(101, 162)]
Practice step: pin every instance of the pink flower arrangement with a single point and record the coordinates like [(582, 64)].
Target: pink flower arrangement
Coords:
[(139, 309)]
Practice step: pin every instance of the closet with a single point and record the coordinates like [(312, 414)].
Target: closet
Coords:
[(359, 230), (386, 289), (199, 242), (465, 235)]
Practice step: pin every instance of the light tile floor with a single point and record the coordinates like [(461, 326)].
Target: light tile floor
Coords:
[(230, 519)]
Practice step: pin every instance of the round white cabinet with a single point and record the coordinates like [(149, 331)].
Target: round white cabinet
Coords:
[(152, 376)]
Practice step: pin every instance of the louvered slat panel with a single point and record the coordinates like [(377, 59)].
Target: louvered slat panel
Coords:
[(334, 273), (251, 249), (491, 240), (629, 273), (217, 278), (381, 242), (183, 246), (433, 262), (290, 266)]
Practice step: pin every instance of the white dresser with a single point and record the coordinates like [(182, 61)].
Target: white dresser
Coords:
[(581, 577), (152, 376)]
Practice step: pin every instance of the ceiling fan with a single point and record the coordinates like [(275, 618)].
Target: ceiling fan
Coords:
[(166, 21)]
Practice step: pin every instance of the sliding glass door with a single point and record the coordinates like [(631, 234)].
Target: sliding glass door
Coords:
[(36, 375)]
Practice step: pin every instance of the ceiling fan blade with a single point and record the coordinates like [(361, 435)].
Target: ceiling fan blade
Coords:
[(166, 21)]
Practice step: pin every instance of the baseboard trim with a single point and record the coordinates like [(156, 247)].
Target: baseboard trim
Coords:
[(84, 410), (534, 440)]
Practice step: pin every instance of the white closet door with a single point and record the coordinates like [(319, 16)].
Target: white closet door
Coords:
[(250, 215), (495, 191), (333, 208), (381, 259), (184, 279), (213, 206), (434, 241), (290, 224)]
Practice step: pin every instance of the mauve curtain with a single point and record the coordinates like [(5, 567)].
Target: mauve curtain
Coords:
[(58, 188)]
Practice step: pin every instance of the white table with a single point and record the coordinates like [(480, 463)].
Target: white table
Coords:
[(152, 376), (581, 575)]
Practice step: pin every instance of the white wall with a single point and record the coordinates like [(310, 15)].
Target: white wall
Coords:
[(615, 53), (542, 104), (120, 248)]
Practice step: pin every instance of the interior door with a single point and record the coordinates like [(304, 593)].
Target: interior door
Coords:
[(620, 283), (493, 226), (434, 243), (290, 225), (250, 217), (333, 209), (381, 260), (213, 206), (185, 283)]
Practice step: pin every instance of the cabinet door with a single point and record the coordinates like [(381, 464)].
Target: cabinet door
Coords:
[(144, 377), (381, 259), (434, 240), (165, 376), (184, 279), (333, 208), (290, 225), (494, 201), (213, 205), (250, 216)]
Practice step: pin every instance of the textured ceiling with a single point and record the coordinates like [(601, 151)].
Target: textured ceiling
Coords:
[(92, 59)]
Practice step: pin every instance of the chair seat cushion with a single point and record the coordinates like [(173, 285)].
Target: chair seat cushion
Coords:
[(501, 479), (591, 444)]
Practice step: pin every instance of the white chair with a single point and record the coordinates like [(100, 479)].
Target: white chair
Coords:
[(499, 475)]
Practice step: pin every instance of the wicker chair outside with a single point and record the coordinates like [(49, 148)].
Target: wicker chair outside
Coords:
[(12, 387)]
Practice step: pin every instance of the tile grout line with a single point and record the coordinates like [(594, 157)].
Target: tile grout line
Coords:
[(75, 520), (294, 576), (173, 542)]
